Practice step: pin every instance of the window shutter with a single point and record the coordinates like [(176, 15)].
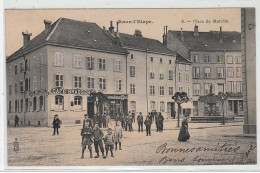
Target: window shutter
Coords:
[(84, 103)]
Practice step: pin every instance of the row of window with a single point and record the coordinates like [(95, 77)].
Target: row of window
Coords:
[(24, 86), (90, 62), (152, 59), (219, 59), (186, 77), (19, 105), (220, 72), (25, 65), (152, 106), (161, 90), (232, 87), (161, 74)]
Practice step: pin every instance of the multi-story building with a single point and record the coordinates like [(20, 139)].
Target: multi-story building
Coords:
[(210, 54), (150, 73), (55, 72)]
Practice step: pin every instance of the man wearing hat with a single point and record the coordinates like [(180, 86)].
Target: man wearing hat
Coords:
[(87, 119), (140, 121), (148, 123)]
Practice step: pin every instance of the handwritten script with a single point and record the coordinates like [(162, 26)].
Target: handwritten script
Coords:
[(221, 153)]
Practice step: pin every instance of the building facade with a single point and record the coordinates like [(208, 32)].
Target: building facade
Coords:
[(209, 53), (56, 71)]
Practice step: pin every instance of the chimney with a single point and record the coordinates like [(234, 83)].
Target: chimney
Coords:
[(111, 28), (138, 33), (182, 37), (26, 37), (47, 25), (118, 41), (164, 36), (196, 30), (220, 35)]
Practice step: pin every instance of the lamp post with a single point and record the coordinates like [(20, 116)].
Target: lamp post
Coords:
[(180, 98), (222, 98)]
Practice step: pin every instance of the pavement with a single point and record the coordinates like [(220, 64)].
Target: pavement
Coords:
[(210, 144)]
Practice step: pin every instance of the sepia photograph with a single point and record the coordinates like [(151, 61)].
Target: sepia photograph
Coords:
[(130, 87)]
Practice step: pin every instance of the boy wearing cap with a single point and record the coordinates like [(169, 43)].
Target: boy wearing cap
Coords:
[(109, 140), (87, 135)]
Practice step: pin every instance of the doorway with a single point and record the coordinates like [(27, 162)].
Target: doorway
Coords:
[(235, 107)]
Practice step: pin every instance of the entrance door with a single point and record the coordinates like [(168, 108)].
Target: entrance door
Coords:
[(235, 108), (90, 107)]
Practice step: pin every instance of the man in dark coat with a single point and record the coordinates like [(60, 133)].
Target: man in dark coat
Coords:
[(140, 121), (16, 121), (56, 124), (130, 123), (148, 124), (126, 122)]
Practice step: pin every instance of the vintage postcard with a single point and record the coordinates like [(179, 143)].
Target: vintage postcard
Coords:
[(130, 87)]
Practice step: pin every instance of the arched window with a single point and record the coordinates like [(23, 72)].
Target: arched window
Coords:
[(59, 102)]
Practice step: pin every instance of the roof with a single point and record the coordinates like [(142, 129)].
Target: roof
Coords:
[(142, 43), (70, 32), (209, 41), (181, 59)]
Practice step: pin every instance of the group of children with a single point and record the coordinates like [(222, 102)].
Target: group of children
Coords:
[(91, 133)]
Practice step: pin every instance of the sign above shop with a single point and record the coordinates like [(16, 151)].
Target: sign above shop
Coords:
[(70, 91)]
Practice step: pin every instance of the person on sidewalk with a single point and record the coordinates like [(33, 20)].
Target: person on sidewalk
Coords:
[(126, 122), (98, 135), (16, 121), (56, 125), (109, 140), (118, 133), (140, 121), (130, 123), (148, 123), (87, 136), (160, 121), (184, 133)]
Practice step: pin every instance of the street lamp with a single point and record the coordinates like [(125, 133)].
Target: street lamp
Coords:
[(180, 98), (222, 98)]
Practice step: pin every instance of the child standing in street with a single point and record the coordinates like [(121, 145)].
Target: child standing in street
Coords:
[(109, 140), (87, 135), (98, 135)]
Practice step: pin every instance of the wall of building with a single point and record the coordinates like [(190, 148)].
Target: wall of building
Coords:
[(70, 113), (142, 95), (37, 73), (249, 69)]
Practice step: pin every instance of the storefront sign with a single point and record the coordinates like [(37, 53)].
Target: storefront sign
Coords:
[(117, 97), (70, 91)]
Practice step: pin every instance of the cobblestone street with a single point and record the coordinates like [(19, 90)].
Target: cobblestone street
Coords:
[(208, 145)]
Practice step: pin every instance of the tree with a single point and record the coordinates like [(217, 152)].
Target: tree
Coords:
[(98, 98), (179, 98)]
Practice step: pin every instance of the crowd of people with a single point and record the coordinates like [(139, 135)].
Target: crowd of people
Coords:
[(92, 130)]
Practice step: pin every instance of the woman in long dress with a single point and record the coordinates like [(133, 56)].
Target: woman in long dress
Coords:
[(184, 133), (118, 134)]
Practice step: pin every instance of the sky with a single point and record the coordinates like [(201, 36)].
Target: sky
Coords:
[(18, 21)]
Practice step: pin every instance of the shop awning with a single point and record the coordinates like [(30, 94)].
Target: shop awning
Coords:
[(187, 105)]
